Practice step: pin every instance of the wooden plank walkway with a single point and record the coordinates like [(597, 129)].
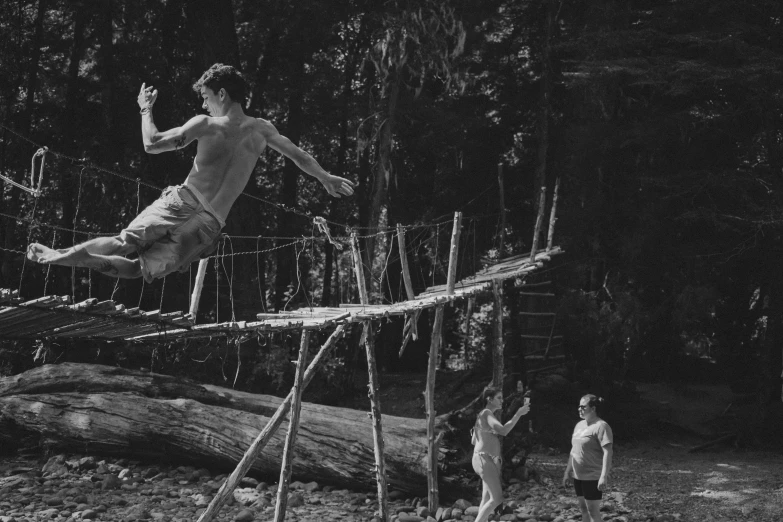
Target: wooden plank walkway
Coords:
[(55, 317)]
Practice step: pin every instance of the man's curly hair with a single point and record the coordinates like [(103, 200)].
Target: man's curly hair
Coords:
[(227, 77)]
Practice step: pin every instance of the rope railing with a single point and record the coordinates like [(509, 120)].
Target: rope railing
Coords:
[(318, 223), (85, 164)]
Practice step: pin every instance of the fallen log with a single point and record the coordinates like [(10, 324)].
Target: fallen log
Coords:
[(335, 447), (113, 411), (91, 378)]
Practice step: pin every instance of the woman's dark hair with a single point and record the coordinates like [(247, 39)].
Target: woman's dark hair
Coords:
[(593, 400), (489, 393), (226, 77)]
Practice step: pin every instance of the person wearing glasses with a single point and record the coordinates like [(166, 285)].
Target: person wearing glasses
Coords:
[(590, 460), (487, 462)]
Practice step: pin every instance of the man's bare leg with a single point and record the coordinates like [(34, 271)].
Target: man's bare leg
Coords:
[(104, 246), (114, 266)]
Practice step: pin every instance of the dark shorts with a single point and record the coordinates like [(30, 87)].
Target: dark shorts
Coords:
[(175, 230), (587, 489)]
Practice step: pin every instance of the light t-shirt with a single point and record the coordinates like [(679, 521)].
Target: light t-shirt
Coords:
[(587, 449)]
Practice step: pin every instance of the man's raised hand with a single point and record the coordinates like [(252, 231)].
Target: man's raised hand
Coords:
[(337, 186), (147, 96)]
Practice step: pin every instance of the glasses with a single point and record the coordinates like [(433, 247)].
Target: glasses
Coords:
[(583, 407)]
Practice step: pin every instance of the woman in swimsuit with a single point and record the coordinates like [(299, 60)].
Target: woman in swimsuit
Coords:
[(486, 453)]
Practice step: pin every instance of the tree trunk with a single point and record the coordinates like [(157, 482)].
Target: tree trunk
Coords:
[(271, 51), (211, 23), (326, 292), (142, 414), (11, 227), (32, 75), (380, 189), (69, 183), (286, 261), (546, 93), (331, 447)]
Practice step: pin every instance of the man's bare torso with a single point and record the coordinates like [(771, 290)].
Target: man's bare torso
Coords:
[(225, 158)]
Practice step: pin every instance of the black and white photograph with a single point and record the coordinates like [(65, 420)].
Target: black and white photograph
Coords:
[(391, 261)]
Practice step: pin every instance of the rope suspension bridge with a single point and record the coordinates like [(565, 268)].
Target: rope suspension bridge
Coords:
[(59, 317)]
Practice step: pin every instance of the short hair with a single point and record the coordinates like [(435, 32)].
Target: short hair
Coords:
[(490, 392), (227, 77), (593, 400)]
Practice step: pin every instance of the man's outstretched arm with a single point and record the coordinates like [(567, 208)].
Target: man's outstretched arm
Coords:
[(156, 141), (335, 185)]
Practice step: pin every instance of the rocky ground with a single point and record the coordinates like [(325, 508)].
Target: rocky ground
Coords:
[(71, 488), (661, 484)]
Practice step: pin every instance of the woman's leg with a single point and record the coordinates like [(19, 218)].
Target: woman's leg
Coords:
[(491, 478), (594, 510), (583, 508), (484, 494)]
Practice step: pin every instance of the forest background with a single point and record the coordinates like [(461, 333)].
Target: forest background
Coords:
[(661, 119)]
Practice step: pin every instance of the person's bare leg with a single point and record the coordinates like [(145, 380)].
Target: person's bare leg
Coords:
[(491, 478), (485, 496), (114, 266), (594, 510), (105, 246), (583, 508)]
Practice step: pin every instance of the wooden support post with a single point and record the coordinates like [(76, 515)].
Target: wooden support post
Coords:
[(429, 394), (406, 273), (429, 397), (553, 216), (227, 489), (410, 329), (539, 222), (501, 249), (197, 287), (497, 351), (451, 279), (359, 270), (377, 426), (375, 402), (293, 428)]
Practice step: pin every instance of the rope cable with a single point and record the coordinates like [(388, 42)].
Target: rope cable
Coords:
[(29, 236), (217, 283), (261, 295), (162, 293), (230, 279), (85, 164), (49, 266)]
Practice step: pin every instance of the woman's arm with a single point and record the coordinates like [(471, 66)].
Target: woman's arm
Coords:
[(568, 470), (504, 429), (607, 466)]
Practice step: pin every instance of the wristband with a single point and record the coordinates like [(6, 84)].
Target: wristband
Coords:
[(145, 110)]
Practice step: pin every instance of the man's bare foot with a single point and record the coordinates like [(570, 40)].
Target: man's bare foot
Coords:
[(37, 252), (67, 257)]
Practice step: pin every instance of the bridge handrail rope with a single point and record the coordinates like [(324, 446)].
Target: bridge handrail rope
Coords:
[(318, 222), (33, 189), (84, 163)]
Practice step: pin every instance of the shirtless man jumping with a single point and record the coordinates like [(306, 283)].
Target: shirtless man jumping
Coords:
[(185, 222)]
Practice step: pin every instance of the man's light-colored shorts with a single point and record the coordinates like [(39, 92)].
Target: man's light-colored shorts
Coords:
[(173, 231)]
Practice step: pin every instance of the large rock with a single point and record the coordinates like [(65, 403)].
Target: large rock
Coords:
[(246, 496), (246, 515), (296, 499), (462, 504), (55, 467)]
